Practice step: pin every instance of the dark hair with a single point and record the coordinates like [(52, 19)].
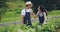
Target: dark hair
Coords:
[(43, 9), (27, 5)]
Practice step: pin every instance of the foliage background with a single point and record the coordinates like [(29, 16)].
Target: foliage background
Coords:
[(10, 12)]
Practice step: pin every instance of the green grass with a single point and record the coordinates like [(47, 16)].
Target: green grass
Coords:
[(12, 16), (54, 13), (52, 25), (13, 13)]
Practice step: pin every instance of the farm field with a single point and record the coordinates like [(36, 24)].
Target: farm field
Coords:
[(11, 19), (52, 25), (12, 16)]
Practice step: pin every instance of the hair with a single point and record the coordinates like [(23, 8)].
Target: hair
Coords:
[(27, 5), (42, 8)]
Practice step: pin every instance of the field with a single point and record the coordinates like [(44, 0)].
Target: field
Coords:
[(13, 14), (52, 24)]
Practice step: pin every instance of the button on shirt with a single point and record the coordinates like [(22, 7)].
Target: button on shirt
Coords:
[(23, 12)]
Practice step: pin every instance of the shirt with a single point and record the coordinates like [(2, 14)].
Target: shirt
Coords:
[(41, 14), (23, 12)]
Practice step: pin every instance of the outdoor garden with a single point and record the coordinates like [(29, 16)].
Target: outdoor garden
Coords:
[(10, 11)]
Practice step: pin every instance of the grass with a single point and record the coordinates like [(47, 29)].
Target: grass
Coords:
[(9, 28), (54, 13), (12, 16), (13, 13), (52, 25)]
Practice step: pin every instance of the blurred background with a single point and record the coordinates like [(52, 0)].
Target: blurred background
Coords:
[(10, 10)]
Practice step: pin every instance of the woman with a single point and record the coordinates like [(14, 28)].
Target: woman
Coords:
[(41, 15)]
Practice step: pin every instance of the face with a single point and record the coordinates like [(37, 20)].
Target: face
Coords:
[(39, 9), (30, 5)]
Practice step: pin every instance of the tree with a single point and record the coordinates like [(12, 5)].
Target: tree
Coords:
[(3, 7), (48, 4)]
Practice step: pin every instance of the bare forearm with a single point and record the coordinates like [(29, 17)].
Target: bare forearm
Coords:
[(22, 18), (45, 20), (34, 15)]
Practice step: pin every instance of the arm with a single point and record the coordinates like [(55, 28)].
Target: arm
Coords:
[(22, 19), (34, 14), (44, 18), (22, 14), (37, 14)]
